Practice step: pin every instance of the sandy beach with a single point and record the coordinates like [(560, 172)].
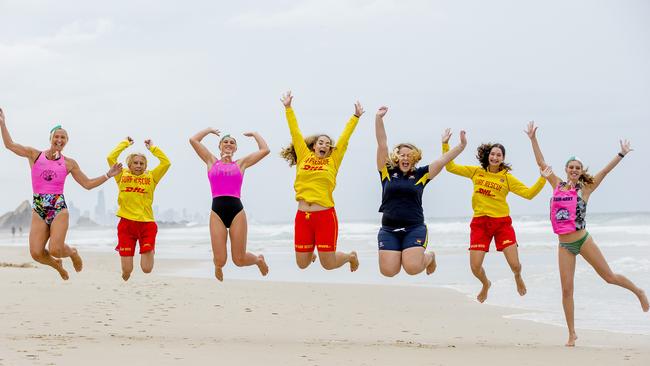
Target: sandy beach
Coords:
[(165, 320)]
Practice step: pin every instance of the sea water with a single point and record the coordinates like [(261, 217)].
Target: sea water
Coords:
[(624, 239)]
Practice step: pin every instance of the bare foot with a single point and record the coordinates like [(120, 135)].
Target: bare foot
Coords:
[(572, 340), (126, 276), (261, 264), (218, 273), (77, 263), (644, 301), (482, 296), (521, 286), (354, 261), (59, 268), (432, 266)]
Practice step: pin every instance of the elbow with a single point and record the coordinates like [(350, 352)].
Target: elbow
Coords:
[(265, 151)]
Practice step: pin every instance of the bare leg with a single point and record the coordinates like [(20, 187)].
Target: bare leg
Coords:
[(476, 264), (238, 237), (304, 259), (333, 260), (390, 262), (146, 261), (218, 237), (567, 265), (415, 260), (512, 257), (58, 247), (593, 256), (127, 267), (39, 233)]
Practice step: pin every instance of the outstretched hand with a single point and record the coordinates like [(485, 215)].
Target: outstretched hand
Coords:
[(358, 109), (148, 144), (463, 138), (249, 134), (114, 170), (286, 99), (130, 140), (531, 130), (625, 146), (546, 172), (381, 112), (446, 136)]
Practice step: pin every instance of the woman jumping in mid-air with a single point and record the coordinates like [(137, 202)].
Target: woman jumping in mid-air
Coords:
[(568, 218)]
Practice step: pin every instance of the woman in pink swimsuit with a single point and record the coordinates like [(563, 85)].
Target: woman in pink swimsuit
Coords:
[(50, 216), (228, 217), (568, 214)]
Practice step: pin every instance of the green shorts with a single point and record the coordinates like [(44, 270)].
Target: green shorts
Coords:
[(575, 246)]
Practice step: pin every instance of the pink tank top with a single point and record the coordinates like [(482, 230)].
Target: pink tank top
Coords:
[(225, 179), (48, 176), (568, 210)]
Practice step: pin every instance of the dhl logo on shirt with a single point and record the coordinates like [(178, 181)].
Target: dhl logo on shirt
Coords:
[(314, 163), (485, 192), (134, 190)]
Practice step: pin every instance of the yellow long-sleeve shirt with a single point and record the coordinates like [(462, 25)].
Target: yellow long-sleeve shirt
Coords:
[(491, 189), (135, 197), (316, 177)]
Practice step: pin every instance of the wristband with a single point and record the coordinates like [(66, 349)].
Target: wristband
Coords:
[(107, 177), (621, 155)]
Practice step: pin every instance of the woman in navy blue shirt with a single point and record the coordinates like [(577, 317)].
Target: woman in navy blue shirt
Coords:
[(402, 238)]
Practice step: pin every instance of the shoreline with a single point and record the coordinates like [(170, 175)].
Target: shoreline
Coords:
[(96, 317)]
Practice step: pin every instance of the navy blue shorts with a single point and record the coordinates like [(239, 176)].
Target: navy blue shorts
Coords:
[(393, 238)]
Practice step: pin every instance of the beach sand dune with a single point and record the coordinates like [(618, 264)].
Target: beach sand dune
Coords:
[(95, 318)]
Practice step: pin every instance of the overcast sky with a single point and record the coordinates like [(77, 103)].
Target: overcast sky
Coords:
[(166, 69)]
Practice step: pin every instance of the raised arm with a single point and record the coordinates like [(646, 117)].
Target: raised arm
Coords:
[(531, 131), (598, 177), (342, 143), (18, 149), (200, 149), (297, 139), (86, 182), (382, 140), (521, 190), (252, 159), (115, 153), (162, 167), (462, 170), (436, 166)]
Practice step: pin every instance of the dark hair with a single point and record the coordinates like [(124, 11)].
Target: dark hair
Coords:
[(483, 155), (288, 153)]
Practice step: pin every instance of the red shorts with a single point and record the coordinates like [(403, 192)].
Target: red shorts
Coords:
[(484, 228), (128, 232), (318, 229)]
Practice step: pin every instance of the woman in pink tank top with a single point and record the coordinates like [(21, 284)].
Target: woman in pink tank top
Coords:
[(226, 176), (50, 216), (568, 218)]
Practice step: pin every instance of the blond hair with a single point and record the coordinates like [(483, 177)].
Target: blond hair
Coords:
[(415, 155)]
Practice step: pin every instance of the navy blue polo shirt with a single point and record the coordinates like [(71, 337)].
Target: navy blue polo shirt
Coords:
[(401, 197)]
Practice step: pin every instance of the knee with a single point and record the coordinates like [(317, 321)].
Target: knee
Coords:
[(412, 270), (611, 278), (516, 268), (147, 269), (567, 292), (328, 265), (56, 252), (476, 269), (302, 265), (238, 260), (37, 253), (389, 272)]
